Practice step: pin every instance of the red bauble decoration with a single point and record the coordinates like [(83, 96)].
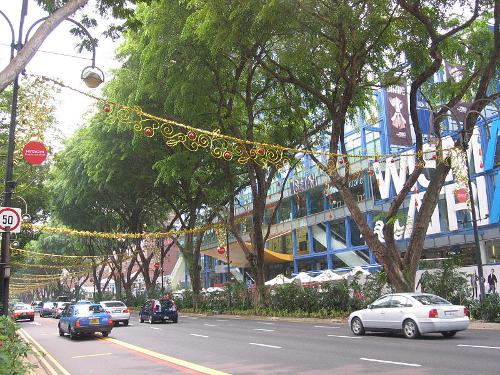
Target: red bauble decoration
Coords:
[(221, 250), (416, 203), (191, 135), (434, 157), (393, 161), (376, 160), (106, 108), (149, 132), (370, 172), (261, 151), (228, 155), (341, 161), (481, 165)]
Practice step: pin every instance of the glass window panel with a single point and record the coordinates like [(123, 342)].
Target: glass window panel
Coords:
[(338, 234), (356, 237), (285, 210), (302, 241), (316, 197), (281, 244), (319, 238)]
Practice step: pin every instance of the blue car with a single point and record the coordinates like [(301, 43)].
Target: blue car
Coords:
[(84, 319)]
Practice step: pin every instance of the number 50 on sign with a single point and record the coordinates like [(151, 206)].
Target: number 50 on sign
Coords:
[(10, 218)]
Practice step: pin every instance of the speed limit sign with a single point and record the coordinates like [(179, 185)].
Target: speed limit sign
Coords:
[(10, 218)]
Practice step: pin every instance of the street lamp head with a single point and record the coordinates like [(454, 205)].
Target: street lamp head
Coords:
[(92, 76)]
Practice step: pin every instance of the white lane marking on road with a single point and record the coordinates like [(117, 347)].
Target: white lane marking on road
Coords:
[(196, 335), (221, 320), (91, 355), (155, 328), (391, 362), (344, 337), (210, 325), (330, 327), (266, 346), (184, 316), (193, 317), (44, 334), (264, 330), (269, 323), (479, 346), (35, 323)]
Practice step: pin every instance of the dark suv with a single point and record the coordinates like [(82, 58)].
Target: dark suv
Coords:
[(159, 310)]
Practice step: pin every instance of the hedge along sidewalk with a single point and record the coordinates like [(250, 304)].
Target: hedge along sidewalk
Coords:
[(474, 324)]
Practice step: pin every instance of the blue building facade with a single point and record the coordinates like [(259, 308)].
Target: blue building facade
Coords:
[(314, 227)]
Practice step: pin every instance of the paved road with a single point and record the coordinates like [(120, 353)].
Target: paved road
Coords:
[(212, 345)]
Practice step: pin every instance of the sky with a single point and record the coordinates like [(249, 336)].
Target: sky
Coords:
[(58, 57)]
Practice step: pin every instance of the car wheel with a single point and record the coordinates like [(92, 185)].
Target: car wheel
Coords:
[(125, 322), (449, 333), (72, 334), (150, 320), (175, 320), (32, 318), (410, 329), (141, 319), (357, 327), (61, 332), (105, 333)]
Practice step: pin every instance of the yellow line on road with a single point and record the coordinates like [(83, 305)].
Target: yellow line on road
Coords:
[(91, 355), (39, 355), (45, 353), (167, 358)]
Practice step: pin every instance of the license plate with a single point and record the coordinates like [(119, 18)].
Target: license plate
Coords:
[(449, 313), (94, 321), (117, 311)]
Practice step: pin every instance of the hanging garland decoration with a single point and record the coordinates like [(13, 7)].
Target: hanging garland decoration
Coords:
[(220, 145), (221, 234), (58, 256), (110, 235)]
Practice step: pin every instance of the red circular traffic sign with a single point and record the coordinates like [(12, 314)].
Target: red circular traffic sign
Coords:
[(461, 195), (9, 217), (34, 153), (221, 250)]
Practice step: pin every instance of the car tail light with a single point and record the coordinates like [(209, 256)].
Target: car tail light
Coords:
[(110, 321), (77, 323), (155, 309), (125, 311), (466, 311), (433, 313)]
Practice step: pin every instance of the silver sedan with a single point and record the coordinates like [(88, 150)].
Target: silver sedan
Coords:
[(412, 313), (118, 311)]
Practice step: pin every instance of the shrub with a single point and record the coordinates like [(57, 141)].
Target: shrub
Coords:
[(488, 309), (448, 282), (13, 350)]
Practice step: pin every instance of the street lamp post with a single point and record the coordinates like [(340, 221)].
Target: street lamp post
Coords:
[(228, 270), (92, 76), (479, 260)]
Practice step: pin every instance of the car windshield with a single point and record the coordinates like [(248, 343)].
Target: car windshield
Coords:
[(21, 307), (114, 304), (86, 310), (430, 299)]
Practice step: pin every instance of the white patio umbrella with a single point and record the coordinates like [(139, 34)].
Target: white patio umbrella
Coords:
[(303, 277), (278, 280), (357, 269), (327, 275)]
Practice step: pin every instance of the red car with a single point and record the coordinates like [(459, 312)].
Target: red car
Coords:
[(22, 311)]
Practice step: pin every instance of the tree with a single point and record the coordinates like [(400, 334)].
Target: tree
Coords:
[(337, 54)]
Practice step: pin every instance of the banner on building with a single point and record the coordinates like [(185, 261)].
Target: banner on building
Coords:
[(398, 120)]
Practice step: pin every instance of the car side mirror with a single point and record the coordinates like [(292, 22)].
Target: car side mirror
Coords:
[(370, 306)]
